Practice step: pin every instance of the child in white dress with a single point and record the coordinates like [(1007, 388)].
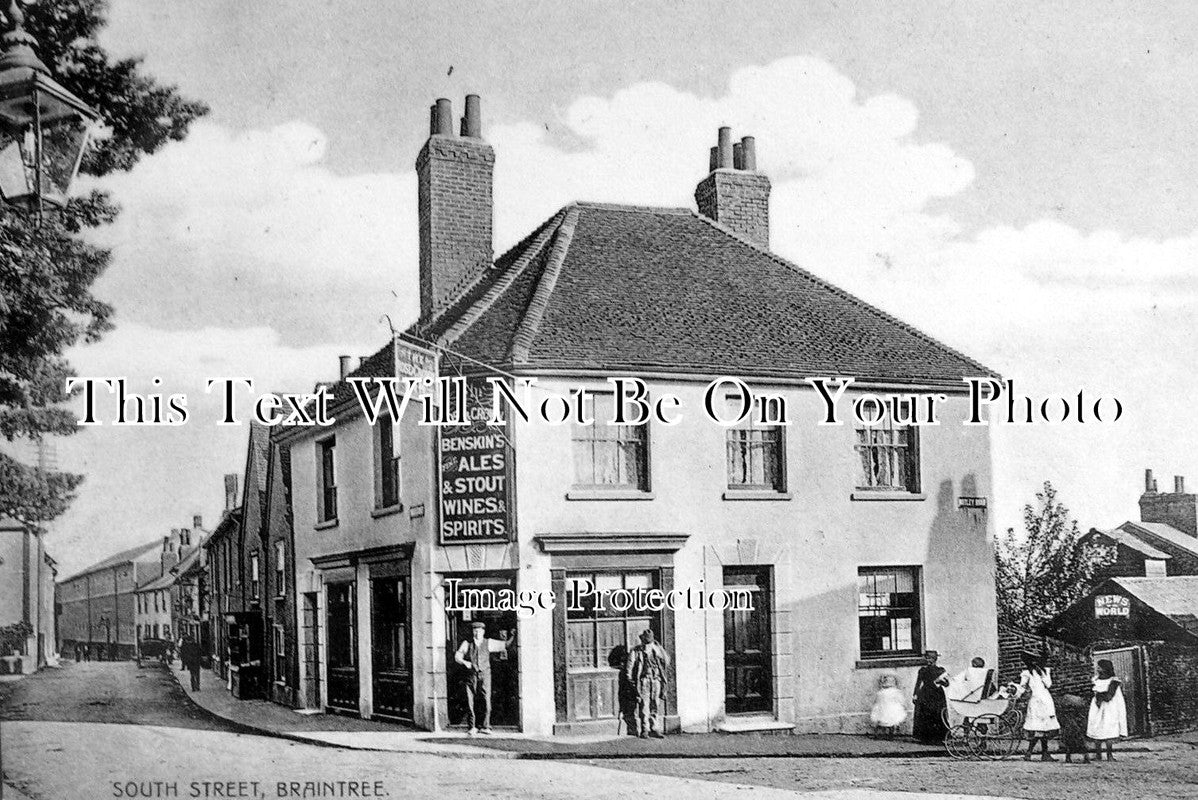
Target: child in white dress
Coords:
[(888, 712), (1041, 723), (1108, 711)]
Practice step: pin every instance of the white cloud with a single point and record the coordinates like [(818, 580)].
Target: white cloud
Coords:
[(226, 231)]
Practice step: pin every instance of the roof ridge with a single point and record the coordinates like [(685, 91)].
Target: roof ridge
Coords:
[(632, 208), (844, 293), (504, 281), (530, 320)]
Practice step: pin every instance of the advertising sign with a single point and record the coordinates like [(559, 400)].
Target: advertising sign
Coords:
[(476, 463), (1112, 605)]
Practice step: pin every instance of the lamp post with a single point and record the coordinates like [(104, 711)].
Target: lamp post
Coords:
[(44, 129)]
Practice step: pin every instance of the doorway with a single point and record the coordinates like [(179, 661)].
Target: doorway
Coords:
[(505, 667), (341, 626), (748, 672), (391, 645), (1128, 662)]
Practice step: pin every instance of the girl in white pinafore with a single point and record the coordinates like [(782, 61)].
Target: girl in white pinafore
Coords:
[(1108, 711), (1041, 723)]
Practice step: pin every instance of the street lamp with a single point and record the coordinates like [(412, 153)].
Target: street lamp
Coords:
[(44, 128)]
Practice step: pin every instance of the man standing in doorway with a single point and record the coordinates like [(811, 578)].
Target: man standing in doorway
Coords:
[(189, 654), (475, 655), (646, 671)]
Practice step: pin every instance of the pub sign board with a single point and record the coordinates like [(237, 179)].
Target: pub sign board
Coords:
[(476, 469)]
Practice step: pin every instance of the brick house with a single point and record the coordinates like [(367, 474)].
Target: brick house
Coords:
[(851, 540), (98, 606), (1165, 540), (1149, 628)]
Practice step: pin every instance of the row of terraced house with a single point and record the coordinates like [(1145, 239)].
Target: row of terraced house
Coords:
[(860, 546)]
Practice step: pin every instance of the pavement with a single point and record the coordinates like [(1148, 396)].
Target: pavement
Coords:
[(113, 730), (270, 719)]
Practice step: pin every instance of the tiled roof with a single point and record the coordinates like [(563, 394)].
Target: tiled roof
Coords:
[(132, 554), (173, 573), (1175, 597), (608, 287), (1129, 539), (1163, 533), (634, 288)]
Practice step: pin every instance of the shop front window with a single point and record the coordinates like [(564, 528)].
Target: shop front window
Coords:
[(599, 636)]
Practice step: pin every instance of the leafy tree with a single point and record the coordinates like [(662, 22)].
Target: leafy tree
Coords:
[(1047, 567), (46, 268)]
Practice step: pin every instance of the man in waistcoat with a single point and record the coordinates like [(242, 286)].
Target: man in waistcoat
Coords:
[(646, 671), (475, 655)]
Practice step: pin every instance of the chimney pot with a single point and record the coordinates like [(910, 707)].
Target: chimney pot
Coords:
[(1179, 484), (197, 522), (713, 162), (1148, 482), (748, 146), (738, 156), (444, 117), (472, 123), (432, 119), (725, 148), (344, 366)]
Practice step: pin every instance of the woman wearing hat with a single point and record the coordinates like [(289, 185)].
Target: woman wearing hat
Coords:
[(928, 723), (1041, 723)]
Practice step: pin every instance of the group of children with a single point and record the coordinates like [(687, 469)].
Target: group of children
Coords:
[(1105, 721)]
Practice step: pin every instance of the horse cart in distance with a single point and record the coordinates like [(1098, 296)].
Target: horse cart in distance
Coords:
[(154, 649)]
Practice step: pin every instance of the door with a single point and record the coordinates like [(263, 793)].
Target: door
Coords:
[(1129, 670), (311, 654), (391, 644), (505, 671), (342, 631), (748, 676)]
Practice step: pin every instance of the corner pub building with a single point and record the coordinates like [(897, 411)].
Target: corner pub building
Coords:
[(861, 546)]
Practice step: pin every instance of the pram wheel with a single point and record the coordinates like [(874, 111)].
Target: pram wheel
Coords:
[(959, 742)]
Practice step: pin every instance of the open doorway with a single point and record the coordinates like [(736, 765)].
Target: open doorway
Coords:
[(505, 667)]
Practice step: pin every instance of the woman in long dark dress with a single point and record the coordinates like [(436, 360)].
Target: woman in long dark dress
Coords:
[(928, 723)]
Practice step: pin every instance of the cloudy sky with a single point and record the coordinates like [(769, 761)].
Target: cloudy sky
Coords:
[(1019, 183)]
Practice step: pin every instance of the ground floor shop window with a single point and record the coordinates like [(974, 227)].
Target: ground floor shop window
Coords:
[(598, 638), (888, 611)]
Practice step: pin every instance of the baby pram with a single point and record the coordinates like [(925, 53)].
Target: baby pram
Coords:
[(982, 727)]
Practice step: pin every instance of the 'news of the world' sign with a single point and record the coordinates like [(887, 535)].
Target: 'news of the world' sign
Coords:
[(476, 475)]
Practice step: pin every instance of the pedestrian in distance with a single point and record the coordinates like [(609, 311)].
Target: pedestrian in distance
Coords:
[(1040, 724), (1108, 710), (189, 654), (646, 670)]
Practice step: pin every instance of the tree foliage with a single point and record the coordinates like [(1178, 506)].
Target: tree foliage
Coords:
[(1044, 569), (47, 267)]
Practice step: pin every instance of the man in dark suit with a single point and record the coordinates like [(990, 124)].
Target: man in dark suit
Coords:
[(189, 654)]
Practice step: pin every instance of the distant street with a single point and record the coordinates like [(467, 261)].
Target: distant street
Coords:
[(104, 730)]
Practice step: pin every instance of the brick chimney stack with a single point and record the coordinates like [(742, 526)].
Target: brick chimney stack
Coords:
[(1176, 508), (455, 205), (230, 492), (735, 194)]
